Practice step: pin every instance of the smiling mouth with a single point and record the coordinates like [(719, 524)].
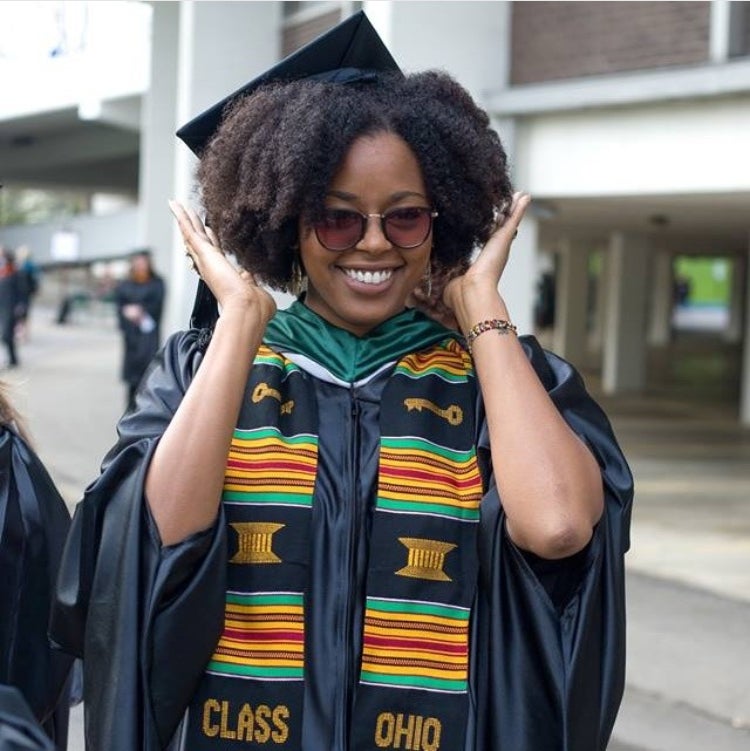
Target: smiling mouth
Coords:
[(369, 277)]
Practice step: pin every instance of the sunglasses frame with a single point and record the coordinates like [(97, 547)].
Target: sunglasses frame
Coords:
[(432, 214)]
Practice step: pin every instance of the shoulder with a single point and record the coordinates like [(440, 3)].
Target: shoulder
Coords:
[(183, 350)]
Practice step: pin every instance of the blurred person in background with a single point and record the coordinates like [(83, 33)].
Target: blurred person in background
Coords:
[(34, 522), (28, 284), (139, 300), (10, 301)]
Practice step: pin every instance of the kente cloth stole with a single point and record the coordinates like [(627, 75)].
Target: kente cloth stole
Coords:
[(413, 686)]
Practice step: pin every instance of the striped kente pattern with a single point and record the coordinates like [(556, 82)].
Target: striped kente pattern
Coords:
[(263, 637), (420, 477), (266, 356), (416, 645), (447, 361), (266, 467)]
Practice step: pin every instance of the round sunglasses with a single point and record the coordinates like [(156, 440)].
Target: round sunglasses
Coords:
[(405, 227)]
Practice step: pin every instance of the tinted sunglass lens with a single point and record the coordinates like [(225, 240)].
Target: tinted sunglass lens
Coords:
[(339, 230), (408, 227)]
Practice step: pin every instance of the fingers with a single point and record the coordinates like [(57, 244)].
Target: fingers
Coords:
[(198, 239), (191, 226), (508, 228), (212, 236)]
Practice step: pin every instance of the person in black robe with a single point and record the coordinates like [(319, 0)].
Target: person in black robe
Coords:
[(139, 300), (10, 299), (347, 526), (34, 522)]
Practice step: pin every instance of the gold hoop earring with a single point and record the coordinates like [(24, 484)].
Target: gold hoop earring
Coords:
[(427, 282), (298, 282)]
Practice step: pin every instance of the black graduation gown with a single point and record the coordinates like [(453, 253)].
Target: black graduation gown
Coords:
[(546, 672), (139, 346), (34, 522), (19, 729)]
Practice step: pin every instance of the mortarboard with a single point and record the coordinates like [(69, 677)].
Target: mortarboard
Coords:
[(349, 52)]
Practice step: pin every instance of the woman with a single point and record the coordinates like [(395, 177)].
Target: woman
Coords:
[(10, 299), (300, 540), (139, 300), (33, 524)]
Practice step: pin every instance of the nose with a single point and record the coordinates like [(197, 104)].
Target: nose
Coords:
[(374, 239)]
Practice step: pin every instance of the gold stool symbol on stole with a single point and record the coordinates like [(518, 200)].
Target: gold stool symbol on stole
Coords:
[(255, 541), (426, 559)]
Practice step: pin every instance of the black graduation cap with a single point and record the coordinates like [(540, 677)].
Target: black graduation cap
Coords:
[(349, 52)]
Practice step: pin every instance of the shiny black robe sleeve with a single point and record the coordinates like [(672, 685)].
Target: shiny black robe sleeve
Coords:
[(34, 522), (19, 729), (550, 677), (137, 612)]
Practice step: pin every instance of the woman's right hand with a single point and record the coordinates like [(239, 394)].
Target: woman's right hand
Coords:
[(232, 288)]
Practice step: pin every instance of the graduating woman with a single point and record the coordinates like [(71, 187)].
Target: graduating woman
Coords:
[(345, 525)]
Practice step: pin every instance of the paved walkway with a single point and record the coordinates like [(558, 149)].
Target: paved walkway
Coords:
[(689, 590)]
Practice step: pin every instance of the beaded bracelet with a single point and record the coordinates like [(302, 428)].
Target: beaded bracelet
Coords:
[(502, 327)]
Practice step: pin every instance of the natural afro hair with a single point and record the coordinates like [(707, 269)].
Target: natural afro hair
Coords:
[(274, 156)]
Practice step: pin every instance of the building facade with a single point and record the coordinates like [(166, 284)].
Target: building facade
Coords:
[(628, 122)]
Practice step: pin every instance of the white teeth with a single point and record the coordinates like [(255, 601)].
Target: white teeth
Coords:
[(369, 277)]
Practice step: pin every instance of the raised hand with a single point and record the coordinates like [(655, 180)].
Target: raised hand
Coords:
[(231, 287), (474, 295)]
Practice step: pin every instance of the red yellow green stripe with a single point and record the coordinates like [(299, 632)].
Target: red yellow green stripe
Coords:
[(448, 361), (263, 637), (420, 477), (266, 467), (413, 644)]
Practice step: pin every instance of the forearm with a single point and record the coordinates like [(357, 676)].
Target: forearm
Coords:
[(548, 480), (186, 475)]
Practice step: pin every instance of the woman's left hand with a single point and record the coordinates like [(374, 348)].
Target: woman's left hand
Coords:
[(474, 295)]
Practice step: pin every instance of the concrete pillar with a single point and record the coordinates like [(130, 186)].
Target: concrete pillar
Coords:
[(745, 370), (157, 153), (737, 300), (479, 60), (571, 302), (624, 366), (518, 283), (600, 307), (187, 76), (662, 300), (719, 30)]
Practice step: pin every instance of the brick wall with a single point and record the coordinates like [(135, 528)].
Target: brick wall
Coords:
[(297, 35), (554, 40)]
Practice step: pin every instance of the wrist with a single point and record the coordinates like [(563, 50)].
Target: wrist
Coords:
[(256, 314), (481, 309), (501, 326)]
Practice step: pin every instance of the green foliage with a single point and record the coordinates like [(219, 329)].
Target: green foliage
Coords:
[(709, 278), (32, 206)]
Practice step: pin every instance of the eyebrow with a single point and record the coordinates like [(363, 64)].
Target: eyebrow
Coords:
[(344, 196)]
